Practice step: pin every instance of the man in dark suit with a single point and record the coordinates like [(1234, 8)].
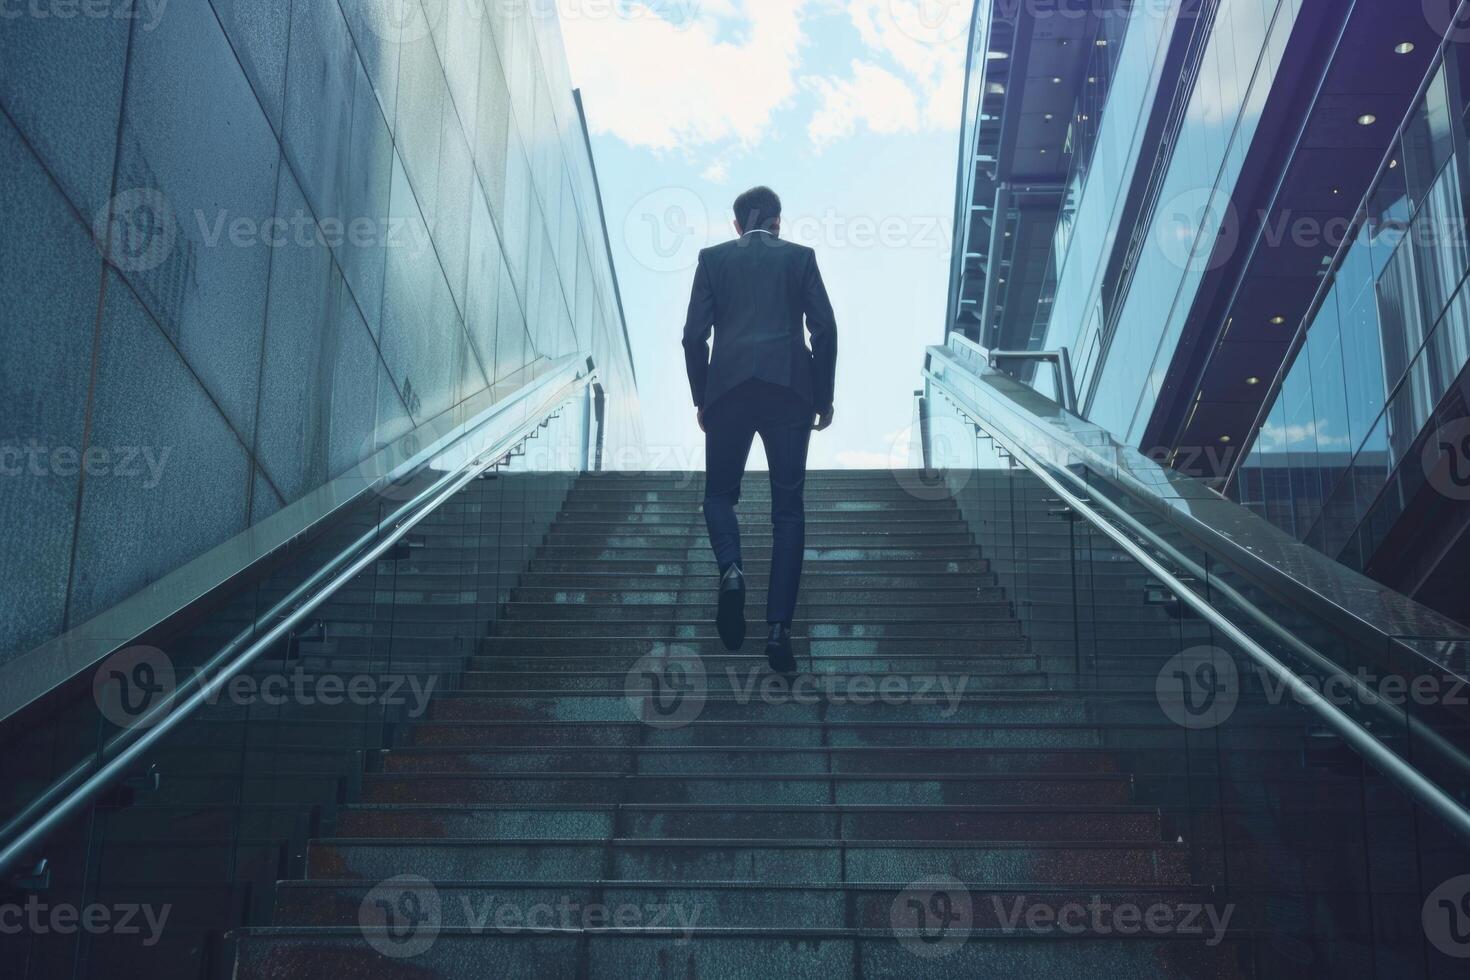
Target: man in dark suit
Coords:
[(760, 377)]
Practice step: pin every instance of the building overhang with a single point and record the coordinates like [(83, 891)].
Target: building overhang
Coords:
[(1029, 65)]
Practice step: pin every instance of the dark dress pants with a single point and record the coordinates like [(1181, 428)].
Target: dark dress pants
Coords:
[(784, 422)]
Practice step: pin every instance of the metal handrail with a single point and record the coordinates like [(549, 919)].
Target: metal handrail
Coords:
[(1409, 778), (114, 760), (1061, 367)]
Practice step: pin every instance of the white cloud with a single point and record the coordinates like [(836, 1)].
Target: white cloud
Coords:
[(926, 40), (873, 96), (717, 173), (718, 73)]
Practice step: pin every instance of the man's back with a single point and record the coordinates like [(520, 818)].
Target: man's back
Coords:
[(761, 379), (755, 292)]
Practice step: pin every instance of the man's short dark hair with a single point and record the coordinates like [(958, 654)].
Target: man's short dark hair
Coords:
[(757, 209)]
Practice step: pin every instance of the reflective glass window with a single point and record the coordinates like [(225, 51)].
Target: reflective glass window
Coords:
[(1428, 142)]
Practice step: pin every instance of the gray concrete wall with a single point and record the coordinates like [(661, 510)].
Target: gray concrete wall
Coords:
[(245, 243)]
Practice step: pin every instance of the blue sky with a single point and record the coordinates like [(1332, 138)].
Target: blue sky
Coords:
[(850, 110)]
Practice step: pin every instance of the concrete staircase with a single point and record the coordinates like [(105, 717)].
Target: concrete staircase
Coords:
[(601, 790)]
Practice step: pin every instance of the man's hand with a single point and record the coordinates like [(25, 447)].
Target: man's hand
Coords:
[(824, 421), (700, 417)]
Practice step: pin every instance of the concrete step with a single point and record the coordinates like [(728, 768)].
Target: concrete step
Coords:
[(541, 669), (1122, 863), (693, 524), (692, 520), (956, 609), (787, 952), (756, 564), (754, 821), (759, 700), (754, 551), (758, 546), (891, 789), (819, 647), (812, 594), (654, 760), (753, 493), (737, 676), (817, 905), (812, 581), (824, 629)]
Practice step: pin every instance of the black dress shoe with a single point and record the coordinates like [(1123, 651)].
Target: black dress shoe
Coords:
[(778, 650), (730, 620)]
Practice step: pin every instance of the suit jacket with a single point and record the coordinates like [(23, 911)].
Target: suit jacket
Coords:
[(753, 293)]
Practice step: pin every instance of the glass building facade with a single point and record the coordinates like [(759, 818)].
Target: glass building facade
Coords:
[(246, 245), (1169, 193), (1388, 338)]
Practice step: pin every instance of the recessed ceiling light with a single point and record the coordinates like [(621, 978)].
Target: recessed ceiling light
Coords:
[(997, 55), (1049, 117), (1406, 48), (1225, 439), (1277, 321), (1102, 43), (1252, 381), (996, 88), (1367, 119), (1092, 80), (1336, 191), (1393, 164), (1043, 152), (1056, 79)]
